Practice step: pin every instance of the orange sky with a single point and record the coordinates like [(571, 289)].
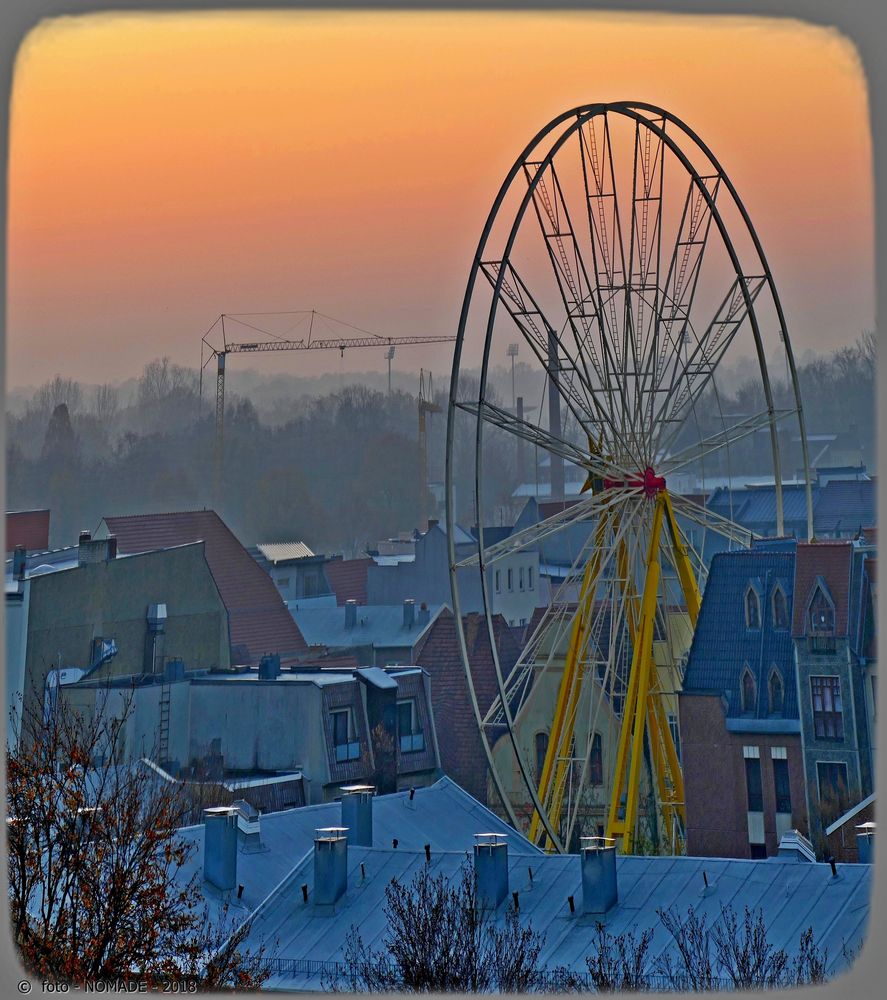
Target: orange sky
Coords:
[(167, 168)]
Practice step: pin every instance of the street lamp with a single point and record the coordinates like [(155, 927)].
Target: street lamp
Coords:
[(511, 352)]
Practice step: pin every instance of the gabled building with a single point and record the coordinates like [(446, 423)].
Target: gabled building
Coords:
[(297, 572), (832, 629), (740, 728), (258, 620)]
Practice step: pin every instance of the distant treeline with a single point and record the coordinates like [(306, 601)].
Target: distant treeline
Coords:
[(338, 470)]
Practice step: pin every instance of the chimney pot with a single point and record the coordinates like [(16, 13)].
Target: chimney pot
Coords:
[(350, 613), (599, 889), (490, 869), (330, 865), (357, 813), (409, 613), (220, 847)]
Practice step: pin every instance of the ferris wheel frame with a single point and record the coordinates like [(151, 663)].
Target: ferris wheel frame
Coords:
[(635, 111)]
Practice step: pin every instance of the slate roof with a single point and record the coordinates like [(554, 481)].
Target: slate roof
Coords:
[(830, 560), (791, 895), (348, 579), (755, 507), (442, 815), (377, 625), (258, 620), (27, 527), (722, 643), (846, 505)]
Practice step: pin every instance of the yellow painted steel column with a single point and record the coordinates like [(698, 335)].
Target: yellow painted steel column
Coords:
[(554, 766), (682, 562), (635, 711)]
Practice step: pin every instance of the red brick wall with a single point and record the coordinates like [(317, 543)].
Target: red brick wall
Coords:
[(842, 843), (714, 780)]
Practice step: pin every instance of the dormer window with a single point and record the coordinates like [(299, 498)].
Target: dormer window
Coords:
[(780, 608), (776, 692), (822, 613), (748, 692), (752, 608)]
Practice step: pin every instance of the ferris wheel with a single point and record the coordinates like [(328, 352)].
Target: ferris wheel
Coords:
[(621, 265)]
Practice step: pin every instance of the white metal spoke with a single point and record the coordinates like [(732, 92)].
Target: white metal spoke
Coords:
[(712, 522)]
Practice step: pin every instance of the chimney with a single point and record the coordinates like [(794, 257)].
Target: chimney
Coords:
[(598, 857), (865, 843), (424, 615), (220, 847), (85, 536), (111, 551), (95, 550), (154, 637), (269, 667), (19, 563), (350, 613), (357, 813), (249, 831), (330, 865), (796, 846), (490, 869), (432, 523), (409, 613)]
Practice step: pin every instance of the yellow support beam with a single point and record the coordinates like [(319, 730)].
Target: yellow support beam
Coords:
[(631, 735), (552, 779), (682, 562)]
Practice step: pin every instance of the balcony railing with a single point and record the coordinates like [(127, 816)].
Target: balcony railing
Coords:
[(412, 742)]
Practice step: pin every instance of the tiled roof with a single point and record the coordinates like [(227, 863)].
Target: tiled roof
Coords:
[(723, 644), (830, 560), (258, 620), (27, 527), (276, 552), (846, 505), (348, 579)]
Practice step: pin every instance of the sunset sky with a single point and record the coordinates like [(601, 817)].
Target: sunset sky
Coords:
[(168, 168)]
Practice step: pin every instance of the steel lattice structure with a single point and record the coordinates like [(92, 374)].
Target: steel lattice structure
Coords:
[(619, 251)]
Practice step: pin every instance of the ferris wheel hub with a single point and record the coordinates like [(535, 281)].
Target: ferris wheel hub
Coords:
[(647, 480)]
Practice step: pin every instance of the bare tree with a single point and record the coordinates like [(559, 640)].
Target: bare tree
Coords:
[(620, 961), (57, 391), (106, 402), (96, 888), (160, 379), (440, 940), (744, 952)]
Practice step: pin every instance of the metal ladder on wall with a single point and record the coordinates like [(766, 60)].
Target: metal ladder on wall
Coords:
[(163, 734)]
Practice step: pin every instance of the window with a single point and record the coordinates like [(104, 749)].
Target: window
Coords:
[(776, 692), (283, 582), (753, 786), (498, 581), (520, 578), (821, 622), (748, 692), (541, 750), (833, 794), (828, 718), (780, 608), (345, 743), (596, 762), (529, 577), (675, 731), (781, 785), (752, 608), (409, 731), (511, 579)]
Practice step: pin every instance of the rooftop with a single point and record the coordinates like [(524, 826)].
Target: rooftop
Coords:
[(276, 552), (376, 625)]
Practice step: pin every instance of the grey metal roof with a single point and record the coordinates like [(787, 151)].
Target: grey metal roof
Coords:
[(442, 814), (792, 896), (377, 625), (377, 677)]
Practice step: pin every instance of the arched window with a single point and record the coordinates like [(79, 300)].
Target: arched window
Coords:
[(541, 750), (748, 691), (752, 608), (780, 608), (776, 692), (596, 762)]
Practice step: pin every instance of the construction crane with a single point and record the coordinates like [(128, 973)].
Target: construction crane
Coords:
[(426, 405), (308, 343)]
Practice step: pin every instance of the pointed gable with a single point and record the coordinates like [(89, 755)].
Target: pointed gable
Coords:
[(825, 564)]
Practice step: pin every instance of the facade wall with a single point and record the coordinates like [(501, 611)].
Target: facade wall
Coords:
[(260, 725), (715, 781), (16, 647), (110, 599), (817, 750)]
